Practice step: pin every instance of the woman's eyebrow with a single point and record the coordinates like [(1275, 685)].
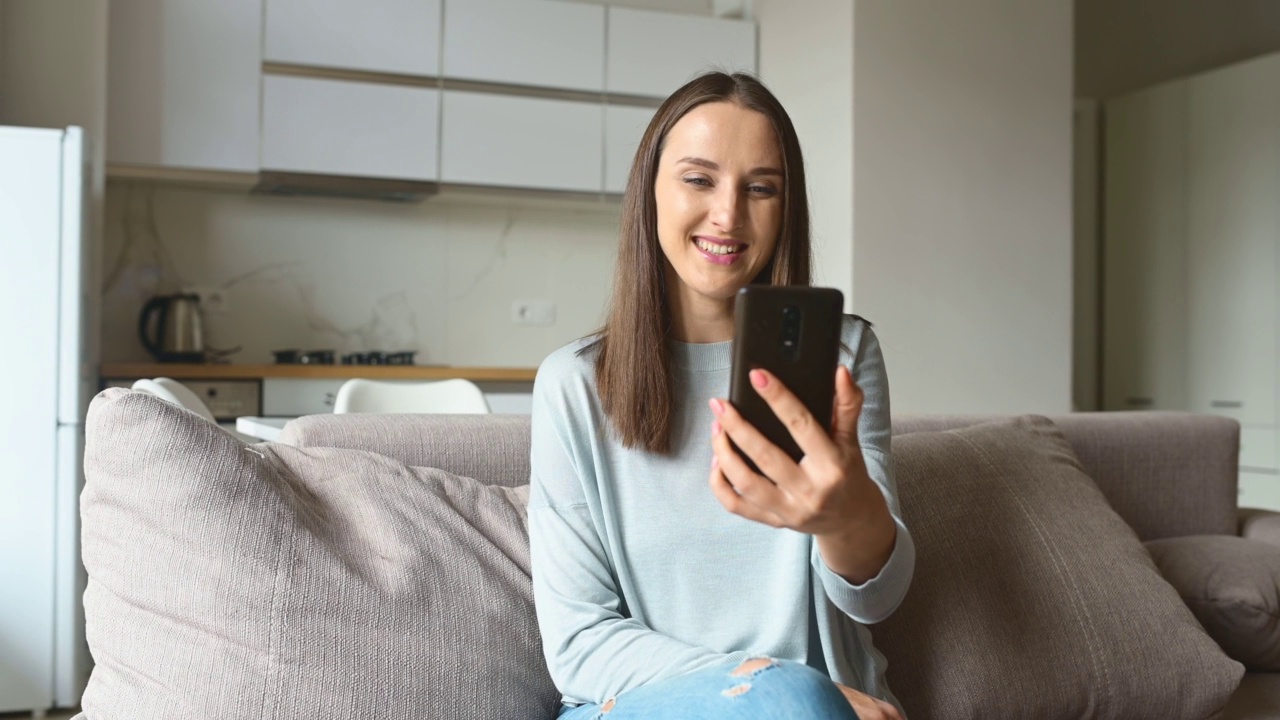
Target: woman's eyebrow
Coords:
[(703, 162)]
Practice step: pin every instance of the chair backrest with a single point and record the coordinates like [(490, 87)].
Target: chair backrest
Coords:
[(175, 392), (456, 396)]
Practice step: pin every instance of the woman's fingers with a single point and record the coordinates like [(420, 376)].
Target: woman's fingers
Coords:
[(774, 463), (804, 428)]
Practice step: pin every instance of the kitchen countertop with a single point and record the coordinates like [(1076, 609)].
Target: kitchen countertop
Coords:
[(233, 371)]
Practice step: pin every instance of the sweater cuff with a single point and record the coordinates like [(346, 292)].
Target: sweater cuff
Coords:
[(877, 598)]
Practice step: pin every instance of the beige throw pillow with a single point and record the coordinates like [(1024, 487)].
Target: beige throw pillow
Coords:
[(266, 581), (1232, 585), (1031, 597)]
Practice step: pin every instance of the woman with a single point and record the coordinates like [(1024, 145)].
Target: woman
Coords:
[(670, 580)]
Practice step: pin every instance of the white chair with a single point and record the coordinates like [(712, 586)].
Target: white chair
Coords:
[(176, 393), (380, 396)]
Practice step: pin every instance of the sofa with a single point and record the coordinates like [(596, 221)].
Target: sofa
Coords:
[(1084, 565)]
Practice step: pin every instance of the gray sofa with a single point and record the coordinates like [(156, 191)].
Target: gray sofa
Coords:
[(374, 565)]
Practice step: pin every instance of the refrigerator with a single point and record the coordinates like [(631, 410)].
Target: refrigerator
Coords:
[(47, 374)]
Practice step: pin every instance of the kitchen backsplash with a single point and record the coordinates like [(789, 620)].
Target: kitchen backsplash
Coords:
[(438, 277)]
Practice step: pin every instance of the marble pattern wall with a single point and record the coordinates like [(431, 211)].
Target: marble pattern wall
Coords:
[(438, 277)]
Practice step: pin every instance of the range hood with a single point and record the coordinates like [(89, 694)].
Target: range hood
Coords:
[(277, 182)]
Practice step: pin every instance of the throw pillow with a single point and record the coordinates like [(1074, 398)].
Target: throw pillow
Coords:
[(1031, 597), (1232, 585), (231, 580)]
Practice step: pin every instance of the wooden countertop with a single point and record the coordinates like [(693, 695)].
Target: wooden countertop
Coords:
[(213, 371)]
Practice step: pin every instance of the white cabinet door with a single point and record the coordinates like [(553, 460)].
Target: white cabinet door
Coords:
[(642, 61), (623, 129), (1144, 253), (290, 397), (338, 127), (546, 43), (1260, 490), (1233, 226), (521, 142), (394, 36), (183, 82)]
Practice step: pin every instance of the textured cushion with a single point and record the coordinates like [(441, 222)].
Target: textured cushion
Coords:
[(1261, 525), (1233, 587), (235, 581), (1031, 597)]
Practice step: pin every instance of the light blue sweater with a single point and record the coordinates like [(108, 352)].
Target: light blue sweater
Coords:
[(640, 574)]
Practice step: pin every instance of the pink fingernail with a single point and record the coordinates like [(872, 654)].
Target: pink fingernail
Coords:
[(715, 462), (759, 379), (717, 407), (715, 427)]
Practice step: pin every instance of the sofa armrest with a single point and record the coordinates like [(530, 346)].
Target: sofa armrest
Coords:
[(1263, 525), (493, 449)]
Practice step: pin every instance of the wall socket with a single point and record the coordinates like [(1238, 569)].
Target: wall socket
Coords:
[(533, 312), (213, 301)]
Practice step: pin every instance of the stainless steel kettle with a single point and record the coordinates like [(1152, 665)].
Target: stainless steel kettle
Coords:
[(171, 328)]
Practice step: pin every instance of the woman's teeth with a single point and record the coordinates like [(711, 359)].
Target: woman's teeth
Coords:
[(717, 249)]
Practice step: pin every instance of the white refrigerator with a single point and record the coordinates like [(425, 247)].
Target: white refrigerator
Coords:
[(47, 375)]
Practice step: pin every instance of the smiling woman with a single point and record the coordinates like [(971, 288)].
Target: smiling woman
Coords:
[(670, 578)]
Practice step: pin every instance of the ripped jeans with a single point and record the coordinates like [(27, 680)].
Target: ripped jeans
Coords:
[(777, 689)]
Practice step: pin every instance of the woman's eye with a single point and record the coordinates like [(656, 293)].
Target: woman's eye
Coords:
[(763, 190), (701, 181)]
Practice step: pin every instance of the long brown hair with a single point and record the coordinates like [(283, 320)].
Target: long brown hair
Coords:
[(633, 363)]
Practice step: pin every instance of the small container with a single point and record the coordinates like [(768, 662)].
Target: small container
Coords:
[(285, 357)]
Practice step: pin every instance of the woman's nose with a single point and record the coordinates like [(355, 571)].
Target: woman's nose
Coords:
[(726, 211)]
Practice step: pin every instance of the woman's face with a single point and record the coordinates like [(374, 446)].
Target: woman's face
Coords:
[(719, 200)]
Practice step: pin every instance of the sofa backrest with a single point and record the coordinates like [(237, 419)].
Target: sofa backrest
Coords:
[(1167, 474)]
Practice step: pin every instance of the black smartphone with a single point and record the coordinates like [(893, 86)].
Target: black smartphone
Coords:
[(794, 333)]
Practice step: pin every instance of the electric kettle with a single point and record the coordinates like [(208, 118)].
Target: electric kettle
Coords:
[(171, 328)]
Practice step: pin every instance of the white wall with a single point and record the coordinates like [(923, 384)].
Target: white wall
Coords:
[(815, 86), (438, 276), (963, 252)]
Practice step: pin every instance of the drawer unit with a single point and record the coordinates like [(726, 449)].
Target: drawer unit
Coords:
[(1258, 448), (226, 399)]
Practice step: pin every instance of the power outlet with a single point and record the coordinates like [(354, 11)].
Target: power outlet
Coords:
[(213, 301), (533, 312)]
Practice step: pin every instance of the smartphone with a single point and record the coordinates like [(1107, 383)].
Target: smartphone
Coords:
[(794, 333)]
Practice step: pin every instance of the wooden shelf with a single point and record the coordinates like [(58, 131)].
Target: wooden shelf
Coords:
[(373, 372)]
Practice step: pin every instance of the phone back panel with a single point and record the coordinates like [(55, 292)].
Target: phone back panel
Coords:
[(808, 368)]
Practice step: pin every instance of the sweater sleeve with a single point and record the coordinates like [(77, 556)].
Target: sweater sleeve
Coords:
[(877, 598), (593, 650)]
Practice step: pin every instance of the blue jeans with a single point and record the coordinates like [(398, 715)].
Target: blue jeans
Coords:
[(781, 690)]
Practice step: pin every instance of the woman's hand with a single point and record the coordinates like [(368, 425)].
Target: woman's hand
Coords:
[(828, 494), (867, 707)]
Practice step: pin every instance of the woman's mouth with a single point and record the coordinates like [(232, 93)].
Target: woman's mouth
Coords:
[(721, 252)]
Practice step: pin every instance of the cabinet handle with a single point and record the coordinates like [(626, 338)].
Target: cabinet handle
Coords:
[(1258, 470), (1139, 401), (1226, 404), (329, 398)]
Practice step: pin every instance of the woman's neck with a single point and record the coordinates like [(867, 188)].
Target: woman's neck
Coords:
[(698, 319)]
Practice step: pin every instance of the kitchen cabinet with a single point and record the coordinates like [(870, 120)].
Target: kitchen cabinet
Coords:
[(391, 36), (1144, 341), (1233, 228), (521, 142), (339, 127), (639, 61), (1259, 490), (623, 129), (547, 43), (290, 397), (183, 83)]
